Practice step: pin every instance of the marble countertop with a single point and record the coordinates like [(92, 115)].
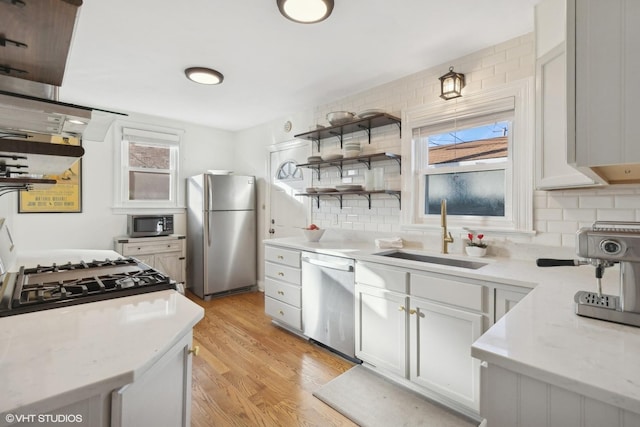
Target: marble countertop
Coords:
[(54, 357), (541, 336)]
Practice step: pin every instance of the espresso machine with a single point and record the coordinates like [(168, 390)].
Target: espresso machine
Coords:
[(603, 245)]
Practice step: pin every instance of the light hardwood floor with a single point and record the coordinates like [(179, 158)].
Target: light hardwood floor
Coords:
[(252, 373)]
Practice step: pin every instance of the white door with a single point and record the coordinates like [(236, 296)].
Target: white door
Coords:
[(288, 213)]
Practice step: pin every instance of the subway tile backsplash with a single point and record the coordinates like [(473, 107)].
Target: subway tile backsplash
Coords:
[(557, 214)]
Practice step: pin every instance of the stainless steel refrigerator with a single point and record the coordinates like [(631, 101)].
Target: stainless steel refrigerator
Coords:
[(221, 234)]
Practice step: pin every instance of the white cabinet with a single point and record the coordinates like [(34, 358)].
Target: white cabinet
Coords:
[(447, 314), (506, 299), (441, 338), (161, 396), (603, 53), (381, 317), (282, 291), (418, 327), (552, 167), (166, 254)]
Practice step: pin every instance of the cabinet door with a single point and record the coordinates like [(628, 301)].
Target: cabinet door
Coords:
[(506, 300), (440, 355), (161, 396), (552, 168), (147, 259), (606, 39), (171, 264), (381, 328)]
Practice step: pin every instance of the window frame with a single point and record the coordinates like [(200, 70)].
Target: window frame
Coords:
[(127, 133), (512, 100)]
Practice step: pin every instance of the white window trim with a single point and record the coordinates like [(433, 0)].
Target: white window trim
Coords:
[(162, 135), (519, 220)]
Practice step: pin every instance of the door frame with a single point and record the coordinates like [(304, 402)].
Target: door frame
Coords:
[(294, 143)]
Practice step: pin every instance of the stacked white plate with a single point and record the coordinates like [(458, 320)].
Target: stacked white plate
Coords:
[(329, 157)]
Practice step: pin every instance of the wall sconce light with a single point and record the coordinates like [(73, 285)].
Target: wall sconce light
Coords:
[(205, 76), (451, 85), (305, 11)]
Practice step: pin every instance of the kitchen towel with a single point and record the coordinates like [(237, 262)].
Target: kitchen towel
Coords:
[(392, 242)]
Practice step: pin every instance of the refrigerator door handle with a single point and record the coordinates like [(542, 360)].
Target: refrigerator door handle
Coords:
[(207, 228)]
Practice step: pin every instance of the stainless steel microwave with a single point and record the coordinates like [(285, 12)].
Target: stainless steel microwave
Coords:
[(149, 225)]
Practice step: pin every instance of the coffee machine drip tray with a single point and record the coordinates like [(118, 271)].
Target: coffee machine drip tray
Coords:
[(604, 307)]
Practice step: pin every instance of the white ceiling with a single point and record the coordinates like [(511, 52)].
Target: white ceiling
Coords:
[(131, 55)]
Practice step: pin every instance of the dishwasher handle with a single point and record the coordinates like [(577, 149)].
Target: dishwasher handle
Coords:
[(331, 265)]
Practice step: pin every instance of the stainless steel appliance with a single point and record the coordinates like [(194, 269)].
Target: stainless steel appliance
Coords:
[(149, 225), (221, 234), (328, 305), (55, 286), (603, 245)]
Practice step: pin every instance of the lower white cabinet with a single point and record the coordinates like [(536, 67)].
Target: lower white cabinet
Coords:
[(161, 396), (166, 254), (510, 398), (440, 343), (381, 328), (506, 299), (282, 290)]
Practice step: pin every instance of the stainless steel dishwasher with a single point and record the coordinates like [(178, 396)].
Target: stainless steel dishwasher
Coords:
[(328, 306)]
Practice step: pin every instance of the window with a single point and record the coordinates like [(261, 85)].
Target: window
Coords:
[(148, 169), (477, 154)]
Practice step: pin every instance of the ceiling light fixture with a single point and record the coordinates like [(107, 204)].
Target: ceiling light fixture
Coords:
[(305, 11), (205, 76), (451, 85)]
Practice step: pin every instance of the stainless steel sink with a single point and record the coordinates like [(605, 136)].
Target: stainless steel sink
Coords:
[(462, 263)]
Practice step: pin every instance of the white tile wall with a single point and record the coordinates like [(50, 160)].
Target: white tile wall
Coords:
[(557, 214)]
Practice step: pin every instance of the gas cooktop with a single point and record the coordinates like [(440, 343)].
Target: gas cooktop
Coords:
[(61, 285)]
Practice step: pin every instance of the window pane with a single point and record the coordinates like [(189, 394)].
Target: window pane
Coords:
[(149, 186), (480, 193), (487, 143), (148, 156)]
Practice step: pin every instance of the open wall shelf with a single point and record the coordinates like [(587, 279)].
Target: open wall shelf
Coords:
[(358, 125), (364, 159), (340, 194)]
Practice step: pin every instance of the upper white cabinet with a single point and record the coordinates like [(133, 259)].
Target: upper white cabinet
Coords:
[(603, 99), (552, 167)]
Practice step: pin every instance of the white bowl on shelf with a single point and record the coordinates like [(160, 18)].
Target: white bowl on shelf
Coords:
[(313, 235)]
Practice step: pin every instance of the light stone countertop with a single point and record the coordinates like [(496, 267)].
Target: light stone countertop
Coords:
[(52, 358), (541, 337)]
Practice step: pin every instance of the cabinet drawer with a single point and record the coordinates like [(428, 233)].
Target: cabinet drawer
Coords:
[(132, 249), (282, 272), (282, 256), (282, 291), (282, 312), (448, 291), (381, 277)]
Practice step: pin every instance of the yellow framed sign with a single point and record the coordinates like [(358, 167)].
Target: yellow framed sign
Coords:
[(64, 196)]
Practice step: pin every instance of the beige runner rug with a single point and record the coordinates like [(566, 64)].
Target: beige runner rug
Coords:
[(371, 400)]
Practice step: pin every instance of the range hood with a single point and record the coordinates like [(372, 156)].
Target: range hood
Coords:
[(31, 110)]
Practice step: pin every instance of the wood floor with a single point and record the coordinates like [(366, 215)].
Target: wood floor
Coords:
[(252, 373)]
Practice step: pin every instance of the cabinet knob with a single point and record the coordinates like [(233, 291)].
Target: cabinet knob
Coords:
[(401, 308), (195, 350), (281, 312), (412, 311), (280, 273), (280, 292), (280, 257)]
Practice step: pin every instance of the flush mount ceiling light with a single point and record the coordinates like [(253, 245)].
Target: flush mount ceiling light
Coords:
[(451, 85), (305, 11), (205, 76)]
